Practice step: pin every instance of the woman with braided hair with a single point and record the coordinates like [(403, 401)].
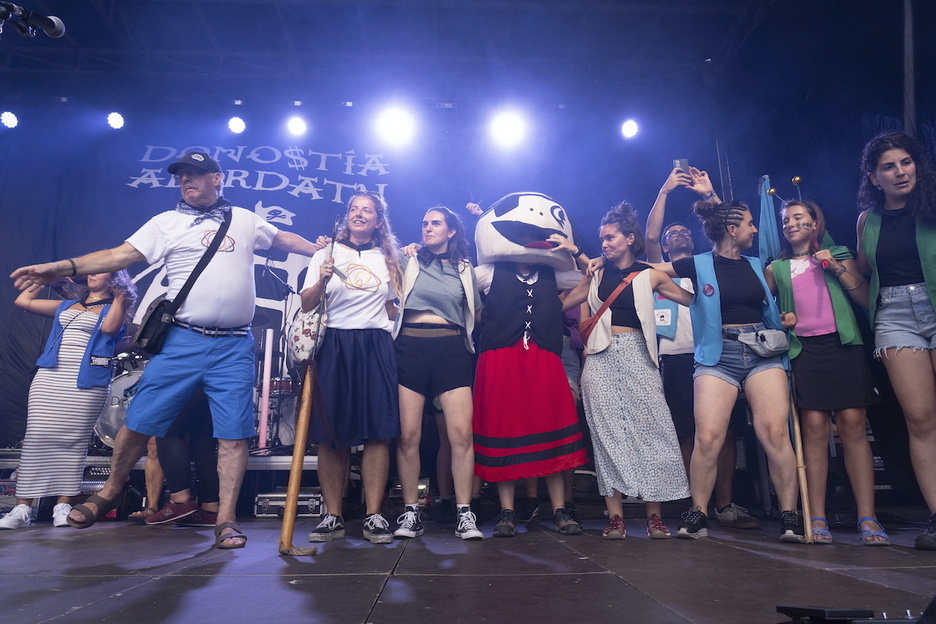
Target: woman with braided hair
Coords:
[(733, 297)]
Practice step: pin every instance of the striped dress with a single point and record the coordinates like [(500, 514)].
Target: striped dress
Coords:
[(60, 418)]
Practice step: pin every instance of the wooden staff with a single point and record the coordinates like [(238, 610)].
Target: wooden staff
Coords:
[(295, 470), (801, 471)]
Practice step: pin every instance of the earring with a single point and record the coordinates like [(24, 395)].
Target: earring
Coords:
[(877, 187)]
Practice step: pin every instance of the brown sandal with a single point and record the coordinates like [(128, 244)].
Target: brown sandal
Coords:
[(103, 506), (139, 517), (236, 534)]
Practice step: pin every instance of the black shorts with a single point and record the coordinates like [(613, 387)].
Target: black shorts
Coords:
[(431, 366), (676, 371)]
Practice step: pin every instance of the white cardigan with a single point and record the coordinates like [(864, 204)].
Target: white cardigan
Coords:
[(466, 274)]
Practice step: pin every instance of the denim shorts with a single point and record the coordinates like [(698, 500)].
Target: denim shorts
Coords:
[(904, 318), (738, 361)]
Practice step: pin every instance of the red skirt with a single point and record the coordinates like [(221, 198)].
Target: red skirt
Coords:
[(525, 421)]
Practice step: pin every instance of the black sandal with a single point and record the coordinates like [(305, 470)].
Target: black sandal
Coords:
[(236, 534), (103, 506)]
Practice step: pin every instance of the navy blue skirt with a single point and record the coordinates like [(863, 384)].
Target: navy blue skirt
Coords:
[(357, 397)]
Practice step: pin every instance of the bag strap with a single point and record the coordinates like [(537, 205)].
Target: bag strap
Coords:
[(202, 263), (617, 291)]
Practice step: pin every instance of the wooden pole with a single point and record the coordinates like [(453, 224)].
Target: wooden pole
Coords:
[(801, 471), (295, 470)]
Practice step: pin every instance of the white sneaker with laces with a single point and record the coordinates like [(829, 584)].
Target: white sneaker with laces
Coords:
[(19, 517), (410, 525), (467, 527), (60, 514)]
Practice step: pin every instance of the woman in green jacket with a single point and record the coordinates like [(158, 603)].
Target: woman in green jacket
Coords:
[(815, 279)]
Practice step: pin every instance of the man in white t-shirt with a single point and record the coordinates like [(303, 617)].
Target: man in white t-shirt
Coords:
[(210, 343)]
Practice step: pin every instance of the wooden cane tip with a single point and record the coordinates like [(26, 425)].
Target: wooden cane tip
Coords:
[(298, 551)]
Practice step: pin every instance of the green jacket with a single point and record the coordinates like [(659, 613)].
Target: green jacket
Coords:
[(845, 322), (926, 245)]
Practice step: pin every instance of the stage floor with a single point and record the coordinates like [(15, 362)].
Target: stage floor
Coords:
[(117, 572)]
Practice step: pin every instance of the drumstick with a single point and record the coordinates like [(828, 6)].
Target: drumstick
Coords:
[(295, 471), (265, 388)]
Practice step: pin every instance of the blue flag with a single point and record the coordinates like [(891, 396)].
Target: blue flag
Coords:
[(768, 246)]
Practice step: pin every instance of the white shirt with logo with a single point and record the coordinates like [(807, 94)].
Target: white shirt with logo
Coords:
[(224, 295)]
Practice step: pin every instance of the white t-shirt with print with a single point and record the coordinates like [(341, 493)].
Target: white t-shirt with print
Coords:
[(359, 301), (224, 295)]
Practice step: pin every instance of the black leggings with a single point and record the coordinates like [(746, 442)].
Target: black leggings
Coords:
[(191, 436)]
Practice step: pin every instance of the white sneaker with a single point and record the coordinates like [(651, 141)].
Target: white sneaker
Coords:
[(60, 514), (410, 525), (19, 517), (467, 528)]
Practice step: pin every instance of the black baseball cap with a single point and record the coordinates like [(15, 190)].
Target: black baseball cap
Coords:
[(199, 160)]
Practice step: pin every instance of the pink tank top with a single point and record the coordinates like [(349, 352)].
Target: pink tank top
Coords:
[(814, 313)]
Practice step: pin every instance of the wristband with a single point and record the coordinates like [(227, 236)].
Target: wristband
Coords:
[(74, 268), (709, 195), (840, 271), (578, 252)]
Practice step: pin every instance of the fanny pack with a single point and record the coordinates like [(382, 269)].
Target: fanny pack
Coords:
[(764, 342)]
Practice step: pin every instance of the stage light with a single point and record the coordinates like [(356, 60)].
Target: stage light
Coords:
[(296, 126), (8, 119), (115, 121), (396, 126), (237, 125), (508, 129), (629, 129)]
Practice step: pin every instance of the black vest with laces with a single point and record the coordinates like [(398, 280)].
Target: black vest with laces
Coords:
[(513, 307)]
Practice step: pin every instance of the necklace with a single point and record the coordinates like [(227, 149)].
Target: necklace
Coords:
[(801, 255), (97, 302)]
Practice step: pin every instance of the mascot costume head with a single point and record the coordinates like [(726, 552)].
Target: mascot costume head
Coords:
[(516, 227)]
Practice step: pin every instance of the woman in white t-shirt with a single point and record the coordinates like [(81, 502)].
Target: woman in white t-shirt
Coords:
[(357, 398)]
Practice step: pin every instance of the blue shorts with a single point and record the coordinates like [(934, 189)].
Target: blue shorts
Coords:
[(738, 361), (224, 366), (904, 318)]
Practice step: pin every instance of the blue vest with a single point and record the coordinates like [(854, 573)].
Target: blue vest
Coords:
[(706, 309), (95, 369)]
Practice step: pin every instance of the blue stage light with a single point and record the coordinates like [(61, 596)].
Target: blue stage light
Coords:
[(396, 126), (8, 119), (237, 125), (115, 121), (508, 129), (629, 129), (296, 126)]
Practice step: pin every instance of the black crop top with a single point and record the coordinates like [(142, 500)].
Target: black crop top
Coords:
[(741, 292), (897, 256), (623, 310)]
